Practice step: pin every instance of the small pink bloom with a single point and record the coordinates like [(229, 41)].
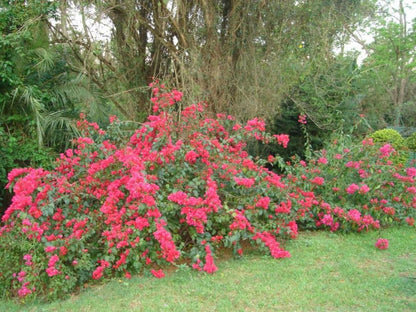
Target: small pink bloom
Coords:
[(410, 221), (52, 271), (282, 139), (247, 182), (157, 273), (386, 150), (322, 160), (352, 188), (354, 215), (98, 273), (302, 119), (364, 189), (318, 180), (382, 243), (263, 202), (209, 266), (411, 172), (327, 220), (191, 157), (28, 259), (50, 249)]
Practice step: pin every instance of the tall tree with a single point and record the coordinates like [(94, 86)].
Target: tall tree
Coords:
[(388, 71), (241, 56)]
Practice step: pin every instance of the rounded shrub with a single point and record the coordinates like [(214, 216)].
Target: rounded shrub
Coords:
[(388, 136), (175, 192), (392, 137)]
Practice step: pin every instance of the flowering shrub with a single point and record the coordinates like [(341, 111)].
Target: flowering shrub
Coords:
[(181, 187), (352, 186)]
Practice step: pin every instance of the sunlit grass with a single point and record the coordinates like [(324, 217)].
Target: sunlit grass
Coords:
[(327, 272)]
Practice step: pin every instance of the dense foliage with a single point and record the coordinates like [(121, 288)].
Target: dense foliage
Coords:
[(180, 188)]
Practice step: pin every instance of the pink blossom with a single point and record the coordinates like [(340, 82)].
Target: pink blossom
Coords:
[(411, 172), (255, 124), (53, 260), (302, 119), (354, 215), (177, 95), (411, 189), (158, 273), (382, 243), (410, 221), (209, 266), (293, 229), (178, 197), (98, 273), (270, 241), (263, 202), (28, 259), (386, 150), (334, 226), (240, 221), (282, 139), (352, 188), (364, 189), (24, 291), (318, 181), (169, 251), (191, 157), (197, 265), (368, 141), (141, 223), (21, 276), (51, 271), (283, 207), (327, 220), (247, 182), (322, 160)]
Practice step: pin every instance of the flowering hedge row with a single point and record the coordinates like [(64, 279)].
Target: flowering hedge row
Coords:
[(179, 189), (353, 187)]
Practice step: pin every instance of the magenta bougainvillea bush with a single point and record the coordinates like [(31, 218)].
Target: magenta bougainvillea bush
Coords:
[(179, 189)]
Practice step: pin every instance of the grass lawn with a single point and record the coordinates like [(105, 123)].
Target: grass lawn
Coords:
[(327, 272)]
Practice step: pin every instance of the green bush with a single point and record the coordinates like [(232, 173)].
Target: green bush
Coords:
[(388, 136), (411, 142), (393, 137)]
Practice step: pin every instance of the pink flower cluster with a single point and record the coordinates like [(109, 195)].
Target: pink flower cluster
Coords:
[(382, 243)]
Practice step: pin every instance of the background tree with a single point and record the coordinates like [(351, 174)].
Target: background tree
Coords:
[(242, 57), (40, 96), (388, 72)]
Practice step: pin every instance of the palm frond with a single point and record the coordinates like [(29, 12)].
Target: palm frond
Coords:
[(45, 59), (60, 128), (25, 100)]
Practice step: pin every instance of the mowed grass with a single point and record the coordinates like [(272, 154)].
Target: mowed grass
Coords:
[(327, 272)]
